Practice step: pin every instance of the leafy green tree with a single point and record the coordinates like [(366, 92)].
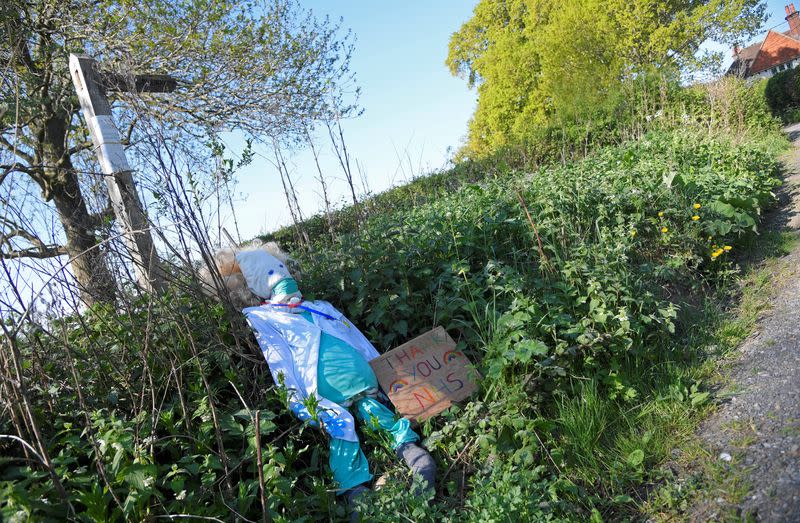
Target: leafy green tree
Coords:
[(265, 67), (538, 62)]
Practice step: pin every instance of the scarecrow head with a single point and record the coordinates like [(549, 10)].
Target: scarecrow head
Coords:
[(254, 274)]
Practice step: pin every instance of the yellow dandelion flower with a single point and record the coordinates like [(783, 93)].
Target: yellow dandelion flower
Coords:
[(697, 206), (633, 233), (664, 230), (727, 247), (661, 214), (695, 218)]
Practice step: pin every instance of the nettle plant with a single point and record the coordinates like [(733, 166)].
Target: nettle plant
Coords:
[(620, 232)]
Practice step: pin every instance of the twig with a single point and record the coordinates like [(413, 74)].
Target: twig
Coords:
[(214, 418), (542, 256), (219, 487), (26, 445), (188, 516), (260, 465), (246, 406), (21, 321), (98, 456), (22, 392), (458, 458), (462, 487), (549, 456)]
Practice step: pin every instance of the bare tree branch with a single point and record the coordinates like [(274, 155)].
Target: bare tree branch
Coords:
[(49, 251), (129, 132), (78, 147), (340, 148), (14, 149), (39, 250), (8, 169)]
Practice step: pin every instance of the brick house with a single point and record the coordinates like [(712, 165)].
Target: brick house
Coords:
[(778, 52)]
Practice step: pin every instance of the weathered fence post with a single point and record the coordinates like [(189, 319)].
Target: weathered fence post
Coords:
[(119, 179)]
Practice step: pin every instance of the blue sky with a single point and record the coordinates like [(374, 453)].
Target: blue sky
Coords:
[(412, 106)]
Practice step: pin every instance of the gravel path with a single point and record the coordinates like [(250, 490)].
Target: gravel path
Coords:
[(757, 432)]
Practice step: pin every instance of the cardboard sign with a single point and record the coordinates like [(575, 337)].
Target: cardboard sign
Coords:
[(426, 375)]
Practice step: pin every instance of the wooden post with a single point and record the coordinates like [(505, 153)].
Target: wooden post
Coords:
[(118, 175)]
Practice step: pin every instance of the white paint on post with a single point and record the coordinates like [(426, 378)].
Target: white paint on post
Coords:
[(110, 151)]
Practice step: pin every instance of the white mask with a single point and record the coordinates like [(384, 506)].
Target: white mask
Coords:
[(262, 271)]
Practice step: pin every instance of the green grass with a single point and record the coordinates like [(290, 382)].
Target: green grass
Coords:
[(619, 447), (746, 295)]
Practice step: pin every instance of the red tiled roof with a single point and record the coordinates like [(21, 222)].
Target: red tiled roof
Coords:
[(776, 49)]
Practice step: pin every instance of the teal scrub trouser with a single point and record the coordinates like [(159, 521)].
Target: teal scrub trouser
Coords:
[(347, 460)]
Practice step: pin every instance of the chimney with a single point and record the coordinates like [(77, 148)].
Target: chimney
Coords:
[(793, 17)]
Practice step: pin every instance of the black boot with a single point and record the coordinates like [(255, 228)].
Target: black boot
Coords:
[(350, 497), (420, 462)]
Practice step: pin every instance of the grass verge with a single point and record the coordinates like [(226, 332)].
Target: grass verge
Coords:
[(692, 474)]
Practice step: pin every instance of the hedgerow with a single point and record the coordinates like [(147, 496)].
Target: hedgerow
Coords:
[(565, 285)]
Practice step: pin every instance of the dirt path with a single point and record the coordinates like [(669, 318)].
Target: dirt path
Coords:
[(756, 432)]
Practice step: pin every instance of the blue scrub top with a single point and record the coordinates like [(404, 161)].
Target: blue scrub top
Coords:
[(342, 372)]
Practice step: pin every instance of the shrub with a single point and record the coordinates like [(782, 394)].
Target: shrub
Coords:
[(781, 92)]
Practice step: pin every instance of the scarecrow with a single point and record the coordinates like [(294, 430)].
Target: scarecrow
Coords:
[(323, 361)]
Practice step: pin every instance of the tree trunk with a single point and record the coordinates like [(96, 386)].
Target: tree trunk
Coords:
[(88, 263), (60, 183)]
